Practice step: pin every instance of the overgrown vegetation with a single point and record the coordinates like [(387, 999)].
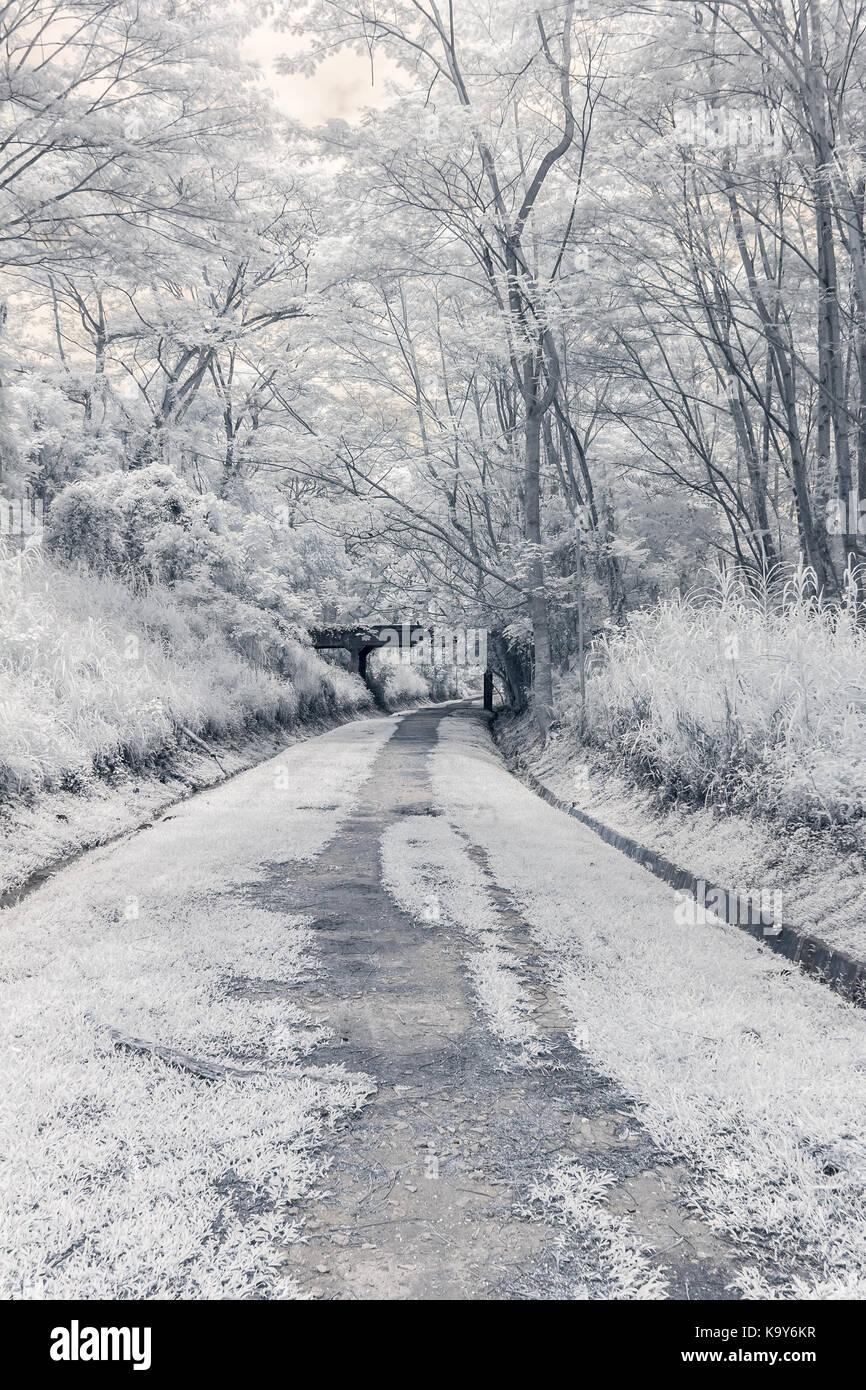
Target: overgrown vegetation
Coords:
[(398, 685), (96, 676), (745, 694)]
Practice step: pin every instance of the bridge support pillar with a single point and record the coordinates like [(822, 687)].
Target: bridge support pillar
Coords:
[(358, 651)]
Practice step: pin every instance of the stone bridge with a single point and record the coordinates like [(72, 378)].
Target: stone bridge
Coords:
[(360, 641)]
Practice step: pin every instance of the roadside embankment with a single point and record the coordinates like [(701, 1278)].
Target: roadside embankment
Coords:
[(810, 883)]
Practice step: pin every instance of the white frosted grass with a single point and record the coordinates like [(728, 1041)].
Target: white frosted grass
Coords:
[(426, 869), (500, 992), (93, 675), (752, 696), (751, 1073), (574, 1197), (123, 1177), (819, 873)]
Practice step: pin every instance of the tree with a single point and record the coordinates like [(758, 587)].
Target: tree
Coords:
[(510, 98)]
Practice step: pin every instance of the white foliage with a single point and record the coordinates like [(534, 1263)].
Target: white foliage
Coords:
[(574, 1196)]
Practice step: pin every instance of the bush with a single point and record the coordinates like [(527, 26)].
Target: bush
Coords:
[(147, 527), (396, 686), (750, 698), (95, 676)]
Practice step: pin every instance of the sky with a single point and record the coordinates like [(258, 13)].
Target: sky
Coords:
[(342, 86)]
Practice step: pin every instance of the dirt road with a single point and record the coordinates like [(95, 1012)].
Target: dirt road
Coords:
[(464, 1051), (430, 1180)]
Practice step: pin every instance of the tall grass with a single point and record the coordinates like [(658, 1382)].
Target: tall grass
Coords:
[(749, 697), (93, 676), (399, 685)]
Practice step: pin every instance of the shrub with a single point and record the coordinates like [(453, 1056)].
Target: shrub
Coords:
[(396, 685), (748, 697), (147, 527), (94, 675)]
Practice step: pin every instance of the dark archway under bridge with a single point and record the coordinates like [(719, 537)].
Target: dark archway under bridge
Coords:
[(359, 642)]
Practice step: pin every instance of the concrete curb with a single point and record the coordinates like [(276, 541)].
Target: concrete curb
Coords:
[(841, 972)]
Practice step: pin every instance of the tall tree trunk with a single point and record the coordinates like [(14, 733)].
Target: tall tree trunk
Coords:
[(543, 676), (762, 535), (812, 528)]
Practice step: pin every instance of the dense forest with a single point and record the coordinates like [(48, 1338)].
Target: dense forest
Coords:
[(569, 325)]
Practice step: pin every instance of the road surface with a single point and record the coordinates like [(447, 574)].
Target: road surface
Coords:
[(372, 1021)]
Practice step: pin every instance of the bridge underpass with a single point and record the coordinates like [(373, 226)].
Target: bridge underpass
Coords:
[(359, 642)]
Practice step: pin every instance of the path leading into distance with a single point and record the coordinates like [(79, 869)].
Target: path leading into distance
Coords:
[(373, 1021)]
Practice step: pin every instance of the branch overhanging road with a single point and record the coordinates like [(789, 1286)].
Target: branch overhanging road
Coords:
[(468, 1051)]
